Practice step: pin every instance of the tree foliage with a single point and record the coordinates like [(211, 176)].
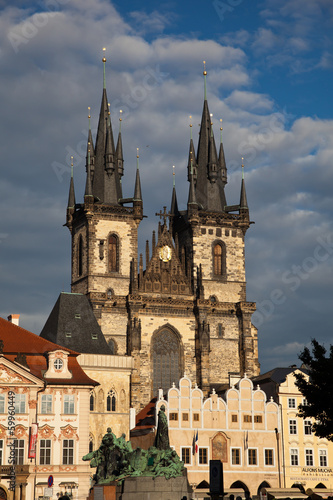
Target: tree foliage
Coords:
[(317, 389)]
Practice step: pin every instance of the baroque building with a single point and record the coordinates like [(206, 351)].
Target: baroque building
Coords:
[(184, 311)]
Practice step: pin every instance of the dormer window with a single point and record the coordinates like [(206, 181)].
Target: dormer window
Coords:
[(58, 364)]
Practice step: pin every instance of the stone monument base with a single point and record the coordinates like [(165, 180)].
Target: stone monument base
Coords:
[(155, 488)]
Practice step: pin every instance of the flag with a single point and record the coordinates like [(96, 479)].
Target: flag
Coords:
[(246, 440), (33, 440), (196, 443)]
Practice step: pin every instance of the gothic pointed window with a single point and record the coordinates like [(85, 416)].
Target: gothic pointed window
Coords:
[(113, 253), (219, 258), (166, 358), (80, 256), (111, 401)]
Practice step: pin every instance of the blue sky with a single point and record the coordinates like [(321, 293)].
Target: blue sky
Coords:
[(269, 69)]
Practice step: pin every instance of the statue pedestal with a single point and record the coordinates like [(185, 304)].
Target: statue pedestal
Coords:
[(158, 488), (105, 492)]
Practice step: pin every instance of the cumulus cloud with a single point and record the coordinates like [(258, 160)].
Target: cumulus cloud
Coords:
[(54, 72)]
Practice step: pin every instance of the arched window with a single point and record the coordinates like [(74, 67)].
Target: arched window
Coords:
[(111, 401), (112, 345), (166, 357), (113, 253), (92, 401), (219, 259), (80, 256), (91, 443)]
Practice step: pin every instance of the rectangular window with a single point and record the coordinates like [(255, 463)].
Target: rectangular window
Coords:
[(304, 402), (234, 418), (247, 418), (323, 458), (196, 417), (291, 403), (46, 406), (68, 403), (258, 419), (220, 330), (45, 452), (19, 403), (68, 452), (2, 404), (19, 451), (203, 456), (269, 457), (173, 416), (292, 427), (186, 455), (252, 454), (294, 456), (185, 417), (235, 456), (309, 458), (307, 427), (1, 451)]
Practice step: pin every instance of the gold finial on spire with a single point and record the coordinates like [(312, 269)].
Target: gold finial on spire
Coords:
[(89, 112), (104, 58), (109, 112), (120, 115), (137, 152), (211, 118), (72, 165), (242, 168), (204, 72), (221, 128), (190, 120)]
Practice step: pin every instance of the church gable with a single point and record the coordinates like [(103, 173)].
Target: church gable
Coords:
[(165, 273)]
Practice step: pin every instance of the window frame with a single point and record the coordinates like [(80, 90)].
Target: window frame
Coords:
[(47, 403), (111, 401), (19, 451), (309, 457), (173, 416), (272, 457), (46, 459), (292, 427), (3, 400), (67, 457), (69, 401), (113, 248), (189, 450), (307, 427), (219, 259), (20, 402), (200, 451), (239, 450), (320, 455), (292, 403), (255, 450), (294, 453)]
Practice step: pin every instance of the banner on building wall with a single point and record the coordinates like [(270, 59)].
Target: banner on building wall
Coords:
[(33, 440)]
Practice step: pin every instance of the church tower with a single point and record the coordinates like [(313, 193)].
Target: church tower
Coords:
[(104, 230), (182, 308)]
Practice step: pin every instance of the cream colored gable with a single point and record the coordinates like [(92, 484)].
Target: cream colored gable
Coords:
[(12, 373)]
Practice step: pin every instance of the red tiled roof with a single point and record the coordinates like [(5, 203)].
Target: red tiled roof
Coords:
[(145, 419), (18, 340)]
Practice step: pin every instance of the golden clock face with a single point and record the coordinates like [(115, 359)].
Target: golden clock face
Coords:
[(165, 253)]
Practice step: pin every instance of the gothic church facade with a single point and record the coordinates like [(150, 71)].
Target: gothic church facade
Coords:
[(182, 308)]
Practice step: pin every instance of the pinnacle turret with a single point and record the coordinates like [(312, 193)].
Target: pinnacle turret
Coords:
[(222, 163), (71, 195), (174, 204), (243, 200)]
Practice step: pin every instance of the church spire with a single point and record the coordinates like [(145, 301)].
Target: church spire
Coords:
[(174, 203), (90, 147), (222, 163), (192, 199), (71, 195), (212, 156), (137, 188), (119, 150), (191, 156), (243, 200), (106, 184), (88, 190)]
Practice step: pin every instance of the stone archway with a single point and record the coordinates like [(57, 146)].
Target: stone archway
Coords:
[(166, 354), (3, 494)]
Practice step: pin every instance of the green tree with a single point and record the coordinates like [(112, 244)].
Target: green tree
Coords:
[(317, 389)]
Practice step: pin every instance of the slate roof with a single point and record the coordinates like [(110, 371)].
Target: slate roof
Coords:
[(269, 382), (18, 340), (145, 419), (72, 324)]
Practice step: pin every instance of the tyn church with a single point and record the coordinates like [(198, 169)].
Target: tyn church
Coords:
[(182, 308)]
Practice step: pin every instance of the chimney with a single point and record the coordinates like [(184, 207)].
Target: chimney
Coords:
[(14, 318)]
